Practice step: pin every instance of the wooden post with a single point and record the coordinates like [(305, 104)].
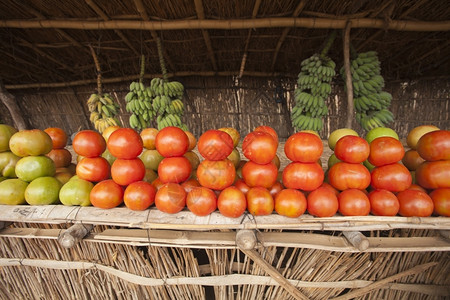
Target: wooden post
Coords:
[(246, 239), (74, 234), (10, 102), (357, 239), (348, 75)]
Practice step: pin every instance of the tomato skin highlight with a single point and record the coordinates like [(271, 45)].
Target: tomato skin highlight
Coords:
[(303, 147), (232, 202), (259, 201), (434, 145), (322, 202), (383, 203), (303, 176), (170, 198), (393, 177), (259, 147), (171, 141), (441, 201), (415, 203), (215, 145), (353, 202), (259, 175), (290, 203), (343, 176), (434, 174), (352, 149), (174, 169), (385, 151), (201, 201)]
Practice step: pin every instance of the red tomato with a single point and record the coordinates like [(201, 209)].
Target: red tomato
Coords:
[(201, 201), (125, 143), (174, 169), (88, 143), (58, 136), (106, 194), (441, 200), (148, 136), (61, 157), (93, 169), (303, 147), (303, 176), (411, 160), (329, 186), (259, 147), (343, 176), (383, 203), (190, 184), (170, 198), (416, 187), (127, 171), (139, 195), (259, 175), (171, 141), (385, 150), (157, 183), (259, 201), (232, 202), (353, 202), (415, 204), (290, 203), (235, 136), (394, 177), (435, 145), (192, 140), (322, 202), (215, 145), (434, 175), (276, 188), (352, 149), (268, 130), (216, 175), (242, 186)]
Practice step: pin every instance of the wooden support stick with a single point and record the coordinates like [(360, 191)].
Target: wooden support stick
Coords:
[(284, 283), (246, 239), (10, 102), (380, 283), (74, 234), (348, 75), (357, 239)]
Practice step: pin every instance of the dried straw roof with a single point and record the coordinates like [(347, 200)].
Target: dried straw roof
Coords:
[(47, 41)]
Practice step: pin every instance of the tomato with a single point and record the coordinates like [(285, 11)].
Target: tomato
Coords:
[(416, 133), (276, 161), (337, 134), (43, 191), (88, 143), (303, 147), (290, 203), (259, 201), (139, 195), (303, 176), (259, 147), (216, 175), (109, 157), (192, 140), (171, 141), (76, 192), (30, 143), (234, 134), (276, 188), (93, 169), (58, 136), (322, 202), (232, 202), (8, 161), (190, 184), (31, 167), (330, 187), (353, 202), (235, 157), (352, 149), (385, 150), (415, 204), (379, 132), (63, 177), (383, 203), (125, 143), (343, 176), (6, 132), (393, 177), (268, 130), (106, 194), (215, 145), (151, 159), (259, 175), (148, 136), (170, 198), (149, 176), (174, 169), (411, 160), (193, 158), (242, 186), (435, 145), (332, 160), (441, 201), (12, 191), (61, 157), (127, 171), (108, 131), (416, 187), (433, 175), (201, 201), (157, 183)]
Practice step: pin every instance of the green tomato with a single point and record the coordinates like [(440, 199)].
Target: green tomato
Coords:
[(379, 132), (43, 191), (76, 192), (108, 156), (151, 159), (30, 142), (6, 132), (337, 134), (31, 167), (332, 160), (8, 161), (12, 191)]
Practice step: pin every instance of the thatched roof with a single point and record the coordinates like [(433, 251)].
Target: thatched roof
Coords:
[(47, 41)]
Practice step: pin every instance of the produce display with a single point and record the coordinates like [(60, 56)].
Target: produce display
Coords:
[(161, 168)]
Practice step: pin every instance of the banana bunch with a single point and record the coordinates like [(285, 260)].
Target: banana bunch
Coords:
[(371, 102), (103, 111), (313, 89), (140, 105), (167, 103)]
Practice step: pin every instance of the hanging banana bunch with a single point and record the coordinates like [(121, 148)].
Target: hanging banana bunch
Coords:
[(371, 102), (314, 87)]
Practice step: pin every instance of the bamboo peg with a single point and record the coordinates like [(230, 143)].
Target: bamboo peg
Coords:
[(74, 234), (246, 239), (357, 239)]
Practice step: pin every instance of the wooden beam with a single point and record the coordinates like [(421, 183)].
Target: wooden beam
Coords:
[(231, 24), (105, 17), (201, 16), (244, 56), (11, 104), (348, 76)]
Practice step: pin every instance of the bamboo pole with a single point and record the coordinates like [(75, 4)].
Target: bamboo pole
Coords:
[(348, 76), (231, 24)]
